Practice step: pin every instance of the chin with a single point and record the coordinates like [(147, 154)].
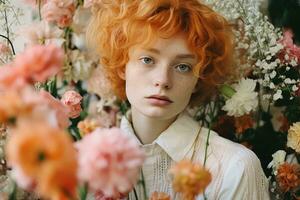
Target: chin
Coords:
[(160, 113)]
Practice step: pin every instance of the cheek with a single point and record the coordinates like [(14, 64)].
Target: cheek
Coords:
[(187, 89)]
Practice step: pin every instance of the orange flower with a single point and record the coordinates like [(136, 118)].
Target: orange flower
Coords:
[(46, 155), (87, 126), (159, 196), (190, 179), (288, 176), (243, 123), (59, 181)]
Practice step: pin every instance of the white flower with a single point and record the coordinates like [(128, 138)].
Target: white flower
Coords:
[(294, 88), (293, 139), (244, 100), (277, 95), (278, 159)]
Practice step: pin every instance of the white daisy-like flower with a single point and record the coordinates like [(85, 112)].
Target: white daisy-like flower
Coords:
[(244, 100)]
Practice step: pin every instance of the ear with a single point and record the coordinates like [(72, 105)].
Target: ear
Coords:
[(121, 73)]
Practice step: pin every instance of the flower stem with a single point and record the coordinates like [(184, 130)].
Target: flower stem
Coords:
[(83, 191), (39, 4), (13, 194), (144, 185)]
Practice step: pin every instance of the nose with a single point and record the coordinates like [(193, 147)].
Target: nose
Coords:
[(162, 78)]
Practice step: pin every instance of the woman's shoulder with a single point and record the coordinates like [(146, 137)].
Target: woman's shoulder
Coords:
[(224, 149), (239, 167)]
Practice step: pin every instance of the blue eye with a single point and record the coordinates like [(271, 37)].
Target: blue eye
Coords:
[(147, 60), (183, 68)]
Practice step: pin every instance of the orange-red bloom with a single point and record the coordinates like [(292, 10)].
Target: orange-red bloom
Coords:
[(288, 176), (190, 179), (243, 123)]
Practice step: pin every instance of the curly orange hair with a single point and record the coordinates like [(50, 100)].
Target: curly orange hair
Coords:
[(116, 25)]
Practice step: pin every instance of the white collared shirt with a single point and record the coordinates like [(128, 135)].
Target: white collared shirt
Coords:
[(236, 171)]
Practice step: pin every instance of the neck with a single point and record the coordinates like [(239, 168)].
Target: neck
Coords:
[(147, 129)]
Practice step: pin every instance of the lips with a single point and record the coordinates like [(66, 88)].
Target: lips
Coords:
[(160, 97)]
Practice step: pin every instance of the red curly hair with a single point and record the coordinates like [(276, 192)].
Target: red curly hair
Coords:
[(117, 25)]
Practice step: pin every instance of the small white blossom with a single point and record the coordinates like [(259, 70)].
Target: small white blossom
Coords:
[(277, 95), (272, 86), (273, 74), (294, 88)]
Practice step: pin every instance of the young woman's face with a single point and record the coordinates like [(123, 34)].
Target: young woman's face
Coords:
[(159, 78)]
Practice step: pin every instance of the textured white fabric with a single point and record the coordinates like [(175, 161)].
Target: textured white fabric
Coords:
[(236, 171)]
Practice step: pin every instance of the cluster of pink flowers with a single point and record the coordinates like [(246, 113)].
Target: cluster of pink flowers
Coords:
[(36, 64), (60, 12), (289, 47), (109, 160)]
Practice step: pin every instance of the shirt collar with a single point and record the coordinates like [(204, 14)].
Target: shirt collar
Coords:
[(177, 140)]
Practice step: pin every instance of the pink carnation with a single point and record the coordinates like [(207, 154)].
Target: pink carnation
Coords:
[(60, 109), (289, 47), (39, 62), (59, 11), (109, 161), (72, 100)]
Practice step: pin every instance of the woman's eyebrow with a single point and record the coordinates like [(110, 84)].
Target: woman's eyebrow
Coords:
[(156, 51), (186, 56)]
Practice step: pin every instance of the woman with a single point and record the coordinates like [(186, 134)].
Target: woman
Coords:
[(162, 56)]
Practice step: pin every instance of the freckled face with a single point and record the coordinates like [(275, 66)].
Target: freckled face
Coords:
[(159, 78)]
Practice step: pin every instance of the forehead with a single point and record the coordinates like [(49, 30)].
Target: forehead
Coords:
[(176, 44)]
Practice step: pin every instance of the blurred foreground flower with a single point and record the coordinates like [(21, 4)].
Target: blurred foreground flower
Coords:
[(36, 64), (39, 62), (159, 196), (288, 176), (293, 138), (72, 100), (243, 101), (110, 160), (46, 156), (189, 179), (17, 103)]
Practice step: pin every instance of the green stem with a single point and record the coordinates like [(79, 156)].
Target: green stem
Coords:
[(144, 185), (39, 4), (83, 191), (13, 195)]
